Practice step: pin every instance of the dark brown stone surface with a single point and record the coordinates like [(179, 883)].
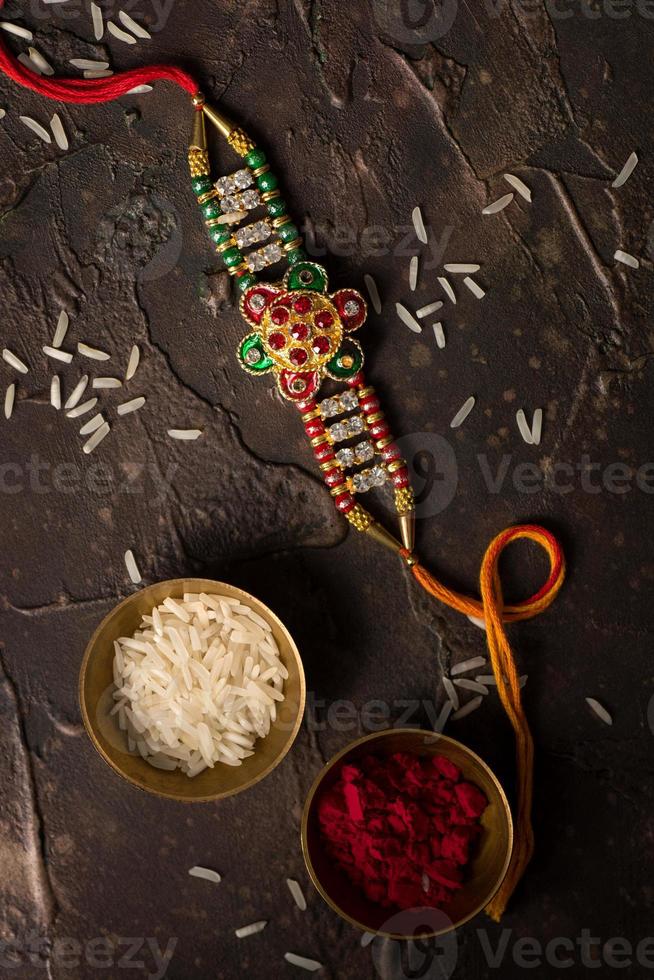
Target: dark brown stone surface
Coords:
[(365, 117)]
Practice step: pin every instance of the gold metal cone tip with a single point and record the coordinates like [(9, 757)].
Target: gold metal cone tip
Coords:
[(407, 524), (199, 134), (383, 537), (224, 125)]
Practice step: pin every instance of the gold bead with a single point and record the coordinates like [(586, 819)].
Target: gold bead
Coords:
[(320, 440), (289, 246), (404, 500), (397, 464), (365, 392), (313, 414), (230, 243), (198, 100), (261, 170), (270, 195), (208, 196), (382, 443), (240, 142), (285, 219), (237, 269), (359, 518)]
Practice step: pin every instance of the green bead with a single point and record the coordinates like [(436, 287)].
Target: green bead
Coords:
[(232, 256), (288, 232), (211, 210), (267, 182), (296, 255), (255, 158), (219, 235), (276, 207), (246, 280), (201, 185)]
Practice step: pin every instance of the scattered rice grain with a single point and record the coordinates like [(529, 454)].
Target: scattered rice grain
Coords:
[(206, 873), (133, 363), (413, 273), (525, 431), (15, 362), (93, 352), (430, 308), (55, 392), (467, 685), (600, 711), (297, 893), (185, 434), (472, 664), (537, 427), (627, 170), (303, 962), (59, 132), (96, 438), (98, 21), (468, 708), (419, 225), (17, 30), (519, 186), (139, 90), (461, 267), (62, 327), (120, 34), (107, 383), (626, 259), (132, 567), (29, 64), (77, 392), (132, 406), (251, 930), (474, 287), (498, 205), (36, 128), (10, 395), (92, 425), (476, 621), (57, 354), (451, 692), (133, 26), (439, 334), (463, 412), (445, 283), (41, 63), (79, 410), (85, 64), (407, 318)]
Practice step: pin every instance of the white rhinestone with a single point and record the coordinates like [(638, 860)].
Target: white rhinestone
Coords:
[(329, 407), (377, 476), (253, 356), (355, 425), (257, 302), (338, 431), (364, 452), (345, 456), (349, 400), (351, 307), (250, 199), (361, 481), (242, 179)]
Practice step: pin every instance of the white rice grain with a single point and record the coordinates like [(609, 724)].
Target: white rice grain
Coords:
[(626, 259), (451, 692), (468, 708), (77, 392), (474, 287), (627, 170), (472, 664), (29, 64), (303, 962), (519, 186), (59, 132), (185, 434), (461, 267), (62, 327), (206, 873), (463, 412), (93, 352), (525, 431), (58, 355), (13, 361), (79, 410), (41, 63), (599, 710), (407, 318), (119, 33), (468, 685), (10, 396), (367, 938), (98, 21), (419, 225), (85, 64), (498, 205), (244, 931), (430, 308), (36, 128), (447, 287), (96, 438), (476, 621), (139, 90), (439, 334), (443, 717), (537, 427), (92, 73), (413, 272), (297, 893), (373, 293), (132, 406), (92, 425), (132, 567), (133, 363), (133, 26), (16, 30), (107, 383), (55, 392)]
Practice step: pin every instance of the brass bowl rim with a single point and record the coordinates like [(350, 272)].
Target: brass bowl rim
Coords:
[(223, 794), (305, 823)]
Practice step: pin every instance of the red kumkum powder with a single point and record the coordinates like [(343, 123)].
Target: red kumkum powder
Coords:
[(402, 827)]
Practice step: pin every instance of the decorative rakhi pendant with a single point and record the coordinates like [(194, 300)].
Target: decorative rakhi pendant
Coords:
[(301, 334)]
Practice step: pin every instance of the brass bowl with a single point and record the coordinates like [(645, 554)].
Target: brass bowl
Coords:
[(96, 699), (484, 874)]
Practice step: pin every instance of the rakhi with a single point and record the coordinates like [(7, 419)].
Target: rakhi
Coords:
[(300, 334)]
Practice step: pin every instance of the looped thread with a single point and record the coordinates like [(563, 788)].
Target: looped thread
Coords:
[(495, 614)]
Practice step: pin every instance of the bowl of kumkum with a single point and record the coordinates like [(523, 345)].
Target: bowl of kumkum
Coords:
[(192, 690), (407, 833)]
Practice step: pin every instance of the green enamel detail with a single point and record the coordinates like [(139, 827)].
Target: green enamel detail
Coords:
[(338, 370), (251, 346), (297, 277), (267, 182), (276, 207), (255, 158)]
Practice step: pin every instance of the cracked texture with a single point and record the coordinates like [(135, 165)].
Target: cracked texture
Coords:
[(363, 125)]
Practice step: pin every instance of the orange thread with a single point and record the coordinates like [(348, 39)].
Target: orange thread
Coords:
[(495, 614)]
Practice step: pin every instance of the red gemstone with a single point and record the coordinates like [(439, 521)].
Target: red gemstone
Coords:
[(334, 478), (320, 345), (379, 430), (298, 356), (400, 478), (370, 404), (357, 381), (344, 502), (300, 331), (324, 319), (313, 428), (279, 315), (323, 452), (390, 452), (302, 304), (277, 341)]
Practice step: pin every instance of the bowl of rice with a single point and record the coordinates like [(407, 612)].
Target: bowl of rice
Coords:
[(192, 690)]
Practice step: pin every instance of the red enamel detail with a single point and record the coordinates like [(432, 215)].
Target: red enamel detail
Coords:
[(313, 428), (269, 293), (334, 478), (400, 478), (323, 319), (344, 502), (379, 430), (370, 404), (297, 356), (308, 379), (300, 331), (320, 345), (279, 315), (307, 406), (343, 296), (324, 452), (302, 305), (390, 452), (276, 341), (358, 381)]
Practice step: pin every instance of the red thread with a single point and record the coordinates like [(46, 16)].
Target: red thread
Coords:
[(91, 90)]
